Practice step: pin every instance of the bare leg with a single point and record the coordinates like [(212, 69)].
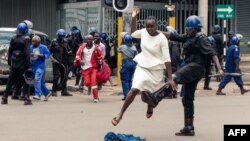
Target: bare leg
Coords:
[(149, 112), (130, 98)]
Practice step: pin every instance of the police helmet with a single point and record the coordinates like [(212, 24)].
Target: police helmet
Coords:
[(127, 39), (230, 33), (104, 36), (61, 33), (193, 22), (92, 30), (29, 77), (211, 40), (22, 28), (74, 28), (234, 40), (216, 28), (76, 31)]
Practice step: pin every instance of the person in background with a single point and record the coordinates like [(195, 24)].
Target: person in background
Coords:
[(87, 57), (59, 57), (39, 53), (128, 65), (208, 66), (232, 66)]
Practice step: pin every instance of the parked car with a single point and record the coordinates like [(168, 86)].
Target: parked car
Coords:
[(5, 36)]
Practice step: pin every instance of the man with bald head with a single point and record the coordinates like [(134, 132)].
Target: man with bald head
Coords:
[(87, 57), (39, 53)]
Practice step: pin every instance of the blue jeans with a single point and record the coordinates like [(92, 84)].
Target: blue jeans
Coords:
[(127, 71), (40, 87)]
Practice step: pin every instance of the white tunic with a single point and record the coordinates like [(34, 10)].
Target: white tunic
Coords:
[(87, 53), (149, 75)]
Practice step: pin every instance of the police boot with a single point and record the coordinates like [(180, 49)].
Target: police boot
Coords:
[(54, 93), (65, 93), (27, 101), (219, 92), (243, 90), (4, 100), (156, 97), (188, 129)]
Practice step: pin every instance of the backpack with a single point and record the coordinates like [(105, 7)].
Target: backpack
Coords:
[(111, 136), (103, 73)]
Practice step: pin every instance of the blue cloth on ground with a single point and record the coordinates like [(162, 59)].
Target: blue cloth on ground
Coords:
[(111, 136)]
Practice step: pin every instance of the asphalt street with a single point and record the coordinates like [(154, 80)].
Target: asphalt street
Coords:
[(77, 118)]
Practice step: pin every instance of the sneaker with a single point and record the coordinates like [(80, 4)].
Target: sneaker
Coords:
[(47, 97), (36, 97), (96, 101), (54, 94)]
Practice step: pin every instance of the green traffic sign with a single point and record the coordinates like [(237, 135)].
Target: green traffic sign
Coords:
[(224, 11)]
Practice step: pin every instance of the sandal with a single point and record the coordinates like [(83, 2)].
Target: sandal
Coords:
[(149, 112), (115, 121)]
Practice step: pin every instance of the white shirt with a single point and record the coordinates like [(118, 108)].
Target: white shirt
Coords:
[(102, 48), (87, 53), (155, 50)]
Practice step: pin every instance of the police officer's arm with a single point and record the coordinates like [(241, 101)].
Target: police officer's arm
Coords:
[(236, 60), (207, 50), (27, 55), (52, 50), (175, 37), (10, 50)]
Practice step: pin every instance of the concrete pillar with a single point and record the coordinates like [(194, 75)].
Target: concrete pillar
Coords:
[(203, 14)]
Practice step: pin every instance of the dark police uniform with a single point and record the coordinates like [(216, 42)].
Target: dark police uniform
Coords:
[(196, 51), (60, 51), (19, 61)]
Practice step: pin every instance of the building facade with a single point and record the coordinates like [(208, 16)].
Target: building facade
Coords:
[(49, 15)]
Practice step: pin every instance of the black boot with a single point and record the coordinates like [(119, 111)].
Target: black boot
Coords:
[(54, 93), (4, 100), (65, 93), (156, 97), (188, 129), (27, 101)]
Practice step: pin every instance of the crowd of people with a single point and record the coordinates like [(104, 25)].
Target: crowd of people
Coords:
[(68, 52), (154, 69)]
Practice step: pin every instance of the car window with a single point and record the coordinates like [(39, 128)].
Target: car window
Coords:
[(5, 37)]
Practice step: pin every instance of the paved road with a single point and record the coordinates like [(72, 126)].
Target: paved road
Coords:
[(77, 118)]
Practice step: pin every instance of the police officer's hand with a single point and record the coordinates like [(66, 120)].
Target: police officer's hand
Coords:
[(221, 72), (237, 70), (172, 84)]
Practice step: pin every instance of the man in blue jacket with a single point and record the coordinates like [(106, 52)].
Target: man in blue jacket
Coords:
[(39, 53)]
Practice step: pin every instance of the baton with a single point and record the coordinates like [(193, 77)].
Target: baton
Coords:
[(232, 74)]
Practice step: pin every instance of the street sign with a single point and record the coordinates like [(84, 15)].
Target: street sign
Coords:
[(224, 11)]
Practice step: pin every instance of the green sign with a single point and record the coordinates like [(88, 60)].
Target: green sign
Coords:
[(224, 11)]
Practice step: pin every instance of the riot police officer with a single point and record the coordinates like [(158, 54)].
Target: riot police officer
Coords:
[(60, 53), (218, 45), (196, 50), (19, 62)]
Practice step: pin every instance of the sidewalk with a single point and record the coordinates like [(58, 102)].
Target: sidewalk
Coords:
[(108, 90)]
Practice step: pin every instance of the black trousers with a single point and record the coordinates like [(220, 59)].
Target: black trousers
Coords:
[(189, 76), (16, 78), (207, 73)]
